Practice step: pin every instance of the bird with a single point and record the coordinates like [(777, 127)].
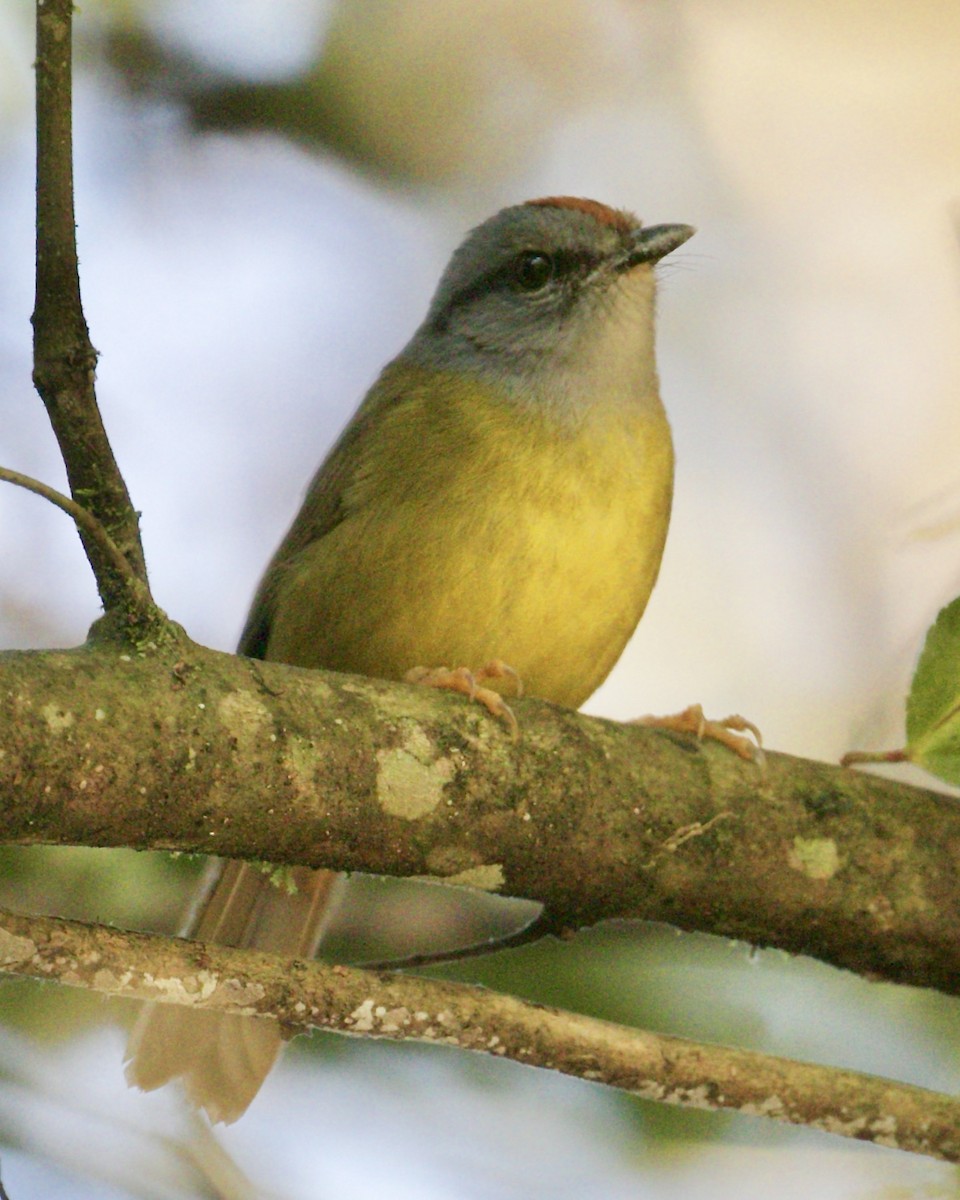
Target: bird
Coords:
[(501, 496)]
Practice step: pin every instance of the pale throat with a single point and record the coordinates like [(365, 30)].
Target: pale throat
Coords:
[(605, 367)]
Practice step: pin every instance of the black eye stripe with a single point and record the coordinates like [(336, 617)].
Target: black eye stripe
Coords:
[(568, 267), (567, 264)]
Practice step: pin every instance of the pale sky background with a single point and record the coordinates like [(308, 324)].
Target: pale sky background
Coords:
[(243, 294)]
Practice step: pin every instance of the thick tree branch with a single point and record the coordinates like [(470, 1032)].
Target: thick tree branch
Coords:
[(404, 1007), (64, 359), (184, 748)]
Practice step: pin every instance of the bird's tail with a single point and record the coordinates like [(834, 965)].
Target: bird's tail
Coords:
[(223, 1060)]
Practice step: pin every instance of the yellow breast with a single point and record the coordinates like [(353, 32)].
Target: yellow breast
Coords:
[(476, 529)]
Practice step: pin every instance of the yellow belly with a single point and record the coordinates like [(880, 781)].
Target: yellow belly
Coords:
[(526, 544)]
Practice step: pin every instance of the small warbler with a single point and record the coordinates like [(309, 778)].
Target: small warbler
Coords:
[(502, 494)]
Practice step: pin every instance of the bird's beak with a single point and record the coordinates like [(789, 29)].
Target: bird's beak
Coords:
[(653, 243)]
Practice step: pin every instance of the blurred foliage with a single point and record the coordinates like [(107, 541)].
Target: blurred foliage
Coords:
[(415, 92), (110, 886)]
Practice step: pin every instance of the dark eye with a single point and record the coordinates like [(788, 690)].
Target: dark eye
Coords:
[(533, 271)]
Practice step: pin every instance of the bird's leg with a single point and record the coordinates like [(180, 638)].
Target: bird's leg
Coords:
[(727, 731), (462, 679)]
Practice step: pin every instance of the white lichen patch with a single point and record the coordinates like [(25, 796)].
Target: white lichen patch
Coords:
[(411, 777), (107, 981), (392, 1020), (377, 1019), (362, 1017), (244, 717), (300, 759), (885, 1131), (884, 1125), (14, 949), (240, 997), (487, 878), (696, 1097), (772, 1106), (186, 989), (817, 858), (58, 719)]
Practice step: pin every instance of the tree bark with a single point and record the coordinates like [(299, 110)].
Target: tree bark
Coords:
[(399, 1007), (183, 748), (63, 355)]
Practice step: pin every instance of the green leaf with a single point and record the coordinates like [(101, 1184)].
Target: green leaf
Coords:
[(933, 706)]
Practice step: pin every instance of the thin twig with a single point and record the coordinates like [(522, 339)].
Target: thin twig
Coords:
[(537, 929), (402, 1007), (84, 521), (64, 358)]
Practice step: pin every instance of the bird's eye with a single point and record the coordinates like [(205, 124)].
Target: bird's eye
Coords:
[(533, 271)]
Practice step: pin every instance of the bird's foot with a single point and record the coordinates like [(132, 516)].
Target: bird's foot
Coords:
[(728, 732), (469, 683)]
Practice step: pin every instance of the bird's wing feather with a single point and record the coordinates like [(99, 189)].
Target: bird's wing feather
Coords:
[(324, 506)]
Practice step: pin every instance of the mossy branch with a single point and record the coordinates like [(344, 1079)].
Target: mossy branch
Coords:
[(179, 747)]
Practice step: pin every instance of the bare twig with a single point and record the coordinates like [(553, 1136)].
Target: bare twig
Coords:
[(537, 929), (402, 1007), (856, 757), (85, 522), (64, 358)]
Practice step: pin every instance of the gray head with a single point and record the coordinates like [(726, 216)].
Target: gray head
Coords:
[(541, 286)]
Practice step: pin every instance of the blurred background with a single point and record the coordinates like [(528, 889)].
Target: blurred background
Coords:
[(267, 191)]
